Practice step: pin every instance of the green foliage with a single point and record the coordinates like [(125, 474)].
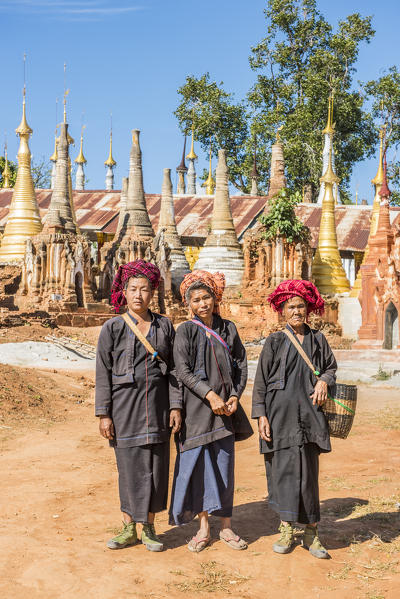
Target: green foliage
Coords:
[(281, 219), (12, 168), (301, 60)]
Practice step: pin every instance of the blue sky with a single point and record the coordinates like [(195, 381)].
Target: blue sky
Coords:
[(128, 57)]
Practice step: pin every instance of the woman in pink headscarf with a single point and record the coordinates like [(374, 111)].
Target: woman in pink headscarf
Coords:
[(287, 400)]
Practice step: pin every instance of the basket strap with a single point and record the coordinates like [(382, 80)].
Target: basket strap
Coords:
[(301, 351), (342, 404)]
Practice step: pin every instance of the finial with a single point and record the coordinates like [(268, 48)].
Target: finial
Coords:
[(192, 155), (384, 191), (182, 168), (81, 159), (209, 183), (378, 179), (278, 137), (329, 177), (110, 160), (330, 127), (24, 128)]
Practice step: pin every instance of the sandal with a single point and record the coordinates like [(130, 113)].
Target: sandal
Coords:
[(196, 545), (234, 542)]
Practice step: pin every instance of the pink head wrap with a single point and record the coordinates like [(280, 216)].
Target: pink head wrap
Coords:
[(125, 272), (299, 288)]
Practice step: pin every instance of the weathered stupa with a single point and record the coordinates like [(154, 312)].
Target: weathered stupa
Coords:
[(377, 182), (178, 266), (80, 160), (327, 269), (277, 179), (181, 170), (121, 226), (222, 251), (23, 217)]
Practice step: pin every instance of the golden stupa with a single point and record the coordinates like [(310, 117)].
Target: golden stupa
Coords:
[(327, 269), (377, 182), (209, 183), (24, 217)]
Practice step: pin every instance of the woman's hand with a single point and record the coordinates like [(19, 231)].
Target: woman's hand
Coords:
[(175, 420), (320, 394), (106, 427), (217, 404), (264, 429), (232, 404)]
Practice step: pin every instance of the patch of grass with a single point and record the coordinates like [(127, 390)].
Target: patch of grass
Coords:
[(337, 483), (378, 508), (212, 579), (341, 574), (381, 375)]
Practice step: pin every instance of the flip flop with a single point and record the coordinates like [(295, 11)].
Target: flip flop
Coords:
[(196, 545), (234, 542)]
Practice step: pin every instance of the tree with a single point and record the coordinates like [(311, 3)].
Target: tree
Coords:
[(281, 219), (12, 168), (385, 95), (41, 172), (301, 60)]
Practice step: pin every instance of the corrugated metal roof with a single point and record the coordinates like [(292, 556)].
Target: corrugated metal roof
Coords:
[(97, 210)]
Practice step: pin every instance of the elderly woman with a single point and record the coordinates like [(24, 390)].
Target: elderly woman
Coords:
[(212, 367), (287, 400), (137, 400)]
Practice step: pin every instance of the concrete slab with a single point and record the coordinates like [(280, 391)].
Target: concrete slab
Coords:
[(36, 354)]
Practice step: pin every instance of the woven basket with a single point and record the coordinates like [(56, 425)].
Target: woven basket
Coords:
[(340, 410)]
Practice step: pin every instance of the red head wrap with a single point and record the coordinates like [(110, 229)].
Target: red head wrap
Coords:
[(214, 281), (125, 272), (293, 288)]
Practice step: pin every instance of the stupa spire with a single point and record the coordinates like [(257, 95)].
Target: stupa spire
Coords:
[(110, 164), (122, 207), (222, 251), (209, 183), (191, 173), (327, 269), (254, 173), (6, 171), (137, 221), (181, 169), (24, 217), (328, 133), (80, 160)]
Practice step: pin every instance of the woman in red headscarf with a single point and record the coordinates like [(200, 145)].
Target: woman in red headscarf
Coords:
[(287, 400), (137, 400), (212, 367)]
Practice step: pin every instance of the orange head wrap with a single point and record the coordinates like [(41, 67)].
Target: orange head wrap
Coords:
[(214, 281)]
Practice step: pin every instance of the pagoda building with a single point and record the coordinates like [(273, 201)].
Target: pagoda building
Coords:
[(380, 282), (80, 161), (23, 217), (221, 250), (327, 269)]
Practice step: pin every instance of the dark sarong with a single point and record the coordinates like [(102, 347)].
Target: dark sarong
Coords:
[(292, 476), (143, 479), (203, 481)]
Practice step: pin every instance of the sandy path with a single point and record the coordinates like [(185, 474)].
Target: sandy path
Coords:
[(59, 505)]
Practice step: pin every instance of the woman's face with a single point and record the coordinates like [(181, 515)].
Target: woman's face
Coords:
[(138, 294), (295, 311), (201, 303)]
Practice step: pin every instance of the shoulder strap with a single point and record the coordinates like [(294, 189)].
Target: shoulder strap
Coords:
[(140, 336), (301, 351), (210, 332)]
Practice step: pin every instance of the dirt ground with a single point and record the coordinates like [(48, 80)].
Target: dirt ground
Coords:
[(59, 505)]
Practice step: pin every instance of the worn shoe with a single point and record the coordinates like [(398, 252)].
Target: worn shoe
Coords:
[(286, 540), (313, 544), (150, 539), (127, 537)]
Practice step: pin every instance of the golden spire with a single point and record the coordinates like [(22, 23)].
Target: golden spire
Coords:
[(23, 218), (192, 155), (327, 269), (209, 183), (81, 158), (110, 160), (378, 179), (54, 156), (330, 127), (6, 171)]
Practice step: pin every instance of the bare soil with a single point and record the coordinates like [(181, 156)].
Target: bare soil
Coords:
[(59, 505)]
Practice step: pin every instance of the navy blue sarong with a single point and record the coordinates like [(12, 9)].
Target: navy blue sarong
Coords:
[(203, 481)]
